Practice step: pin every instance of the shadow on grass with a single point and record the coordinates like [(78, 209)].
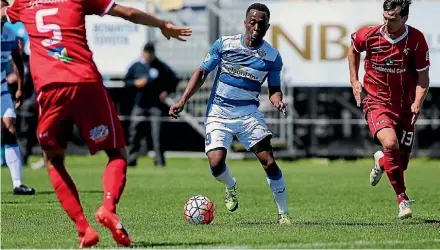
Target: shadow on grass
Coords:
[(414, 221), (172, 244), (79, 191), (20, 202)]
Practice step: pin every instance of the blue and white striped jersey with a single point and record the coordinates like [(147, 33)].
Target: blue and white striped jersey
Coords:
[(242, 70), (9, 43), (21, 33)]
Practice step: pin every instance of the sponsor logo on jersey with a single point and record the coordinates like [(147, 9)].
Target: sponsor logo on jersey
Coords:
[(240, 72), (99, 133), (390, 66), (60, 53), (388, 70), (389, 62)]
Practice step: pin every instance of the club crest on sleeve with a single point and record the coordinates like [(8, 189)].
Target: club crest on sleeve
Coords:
[(208, 56)]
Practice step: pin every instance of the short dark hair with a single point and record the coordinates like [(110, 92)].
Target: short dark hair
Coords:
[(389, 5), (5, 2), (259, 7), (149, 47)]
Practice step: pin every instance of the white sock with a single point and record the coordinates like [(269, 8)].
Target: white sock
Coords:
[(12, 158), (279, 193), (226, 178)]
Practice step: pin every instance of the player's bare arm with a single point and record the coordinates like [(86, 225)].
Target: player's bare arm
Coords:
[(139, 17), (194, 84), (19, 72), (354, 59), (421, 92), (4, 17), (276, 98)]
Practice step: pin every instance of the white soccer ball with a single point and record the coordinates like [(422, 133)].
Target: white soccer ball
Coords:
[(199, 210)]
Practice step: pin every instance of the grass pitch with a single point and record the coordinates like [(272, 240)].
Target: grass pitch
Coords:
[(331, 203)]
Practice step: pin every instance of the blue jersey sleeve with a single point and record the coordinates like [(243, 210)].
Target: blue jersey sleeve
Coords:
[(9, 31), (213, 57), (274, 75)]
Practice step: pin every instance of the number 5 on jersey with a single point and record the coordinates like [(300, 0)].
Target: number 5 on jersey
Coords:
[(44, 28)]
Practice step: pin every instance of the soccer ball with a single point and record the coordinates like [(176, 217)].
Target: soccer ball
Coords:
[(199, 210)]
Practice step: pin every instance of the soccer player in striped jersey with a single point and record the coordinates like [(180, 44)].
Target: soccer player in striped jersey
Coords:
[(245, 62), (9, 47)]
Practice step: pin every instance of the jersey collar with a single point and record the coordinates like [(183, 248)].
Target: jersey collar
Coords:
[(247, 47), (405, 33)]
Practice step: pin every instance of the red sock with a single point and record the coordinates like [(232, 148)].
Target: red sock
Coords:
[(393, 167), (68, 196), (382, 163), (114, 182)]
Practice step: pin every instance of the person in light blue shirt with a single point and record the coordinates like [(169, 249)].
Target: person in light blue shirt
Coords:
[(245, 62), (9, 48)]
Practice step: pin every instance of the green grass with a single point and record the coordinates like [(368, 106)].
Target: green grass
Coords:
[(332, 204)]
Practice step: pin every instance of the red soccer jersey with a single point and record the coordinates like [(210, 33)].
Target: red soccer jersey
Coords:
[(391, 66), (57, 33)]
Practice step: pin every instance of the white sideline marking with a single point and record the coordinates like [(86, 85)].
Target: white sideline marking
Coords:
[(333, 244)]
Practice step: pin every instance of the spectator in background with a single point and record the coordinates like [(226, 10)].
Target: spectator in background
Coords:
[(27, 116), (155, 81), (28, 112), (123, 98)]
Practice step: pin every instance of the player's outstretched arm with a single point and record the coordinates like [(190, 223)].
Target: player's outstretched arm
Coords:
[(194, 84), (421, 92), (4, 17), (139, 17), (354, 59), (19, 72)]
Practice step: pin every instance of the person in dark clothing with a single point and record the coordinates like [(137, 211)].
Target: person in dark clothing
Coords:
[(154, 80)]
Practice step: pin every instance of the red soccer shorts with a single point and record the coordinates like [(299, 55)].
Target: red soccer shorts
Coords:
[(86, 105), (378, 117)]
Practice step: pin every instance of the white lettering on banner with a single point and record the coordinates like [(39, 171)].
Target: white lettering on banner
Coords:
[(115, 43), (314, 46), (114, 34)]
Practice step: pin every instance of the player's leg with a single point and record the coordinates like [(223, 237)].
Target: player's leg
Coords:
[(137, 132), (274, 176), (378, 119), (99, 125), (10, 144), (114, 181), (256, 137), (54, 129), (68, 196), (217, 140), (406, 134), (394, 168), (404, 158), (155, 131)]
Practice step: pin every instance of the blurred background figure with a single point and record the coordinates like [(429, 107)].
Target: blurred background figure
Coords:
[(27, 115), (154, 81)]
